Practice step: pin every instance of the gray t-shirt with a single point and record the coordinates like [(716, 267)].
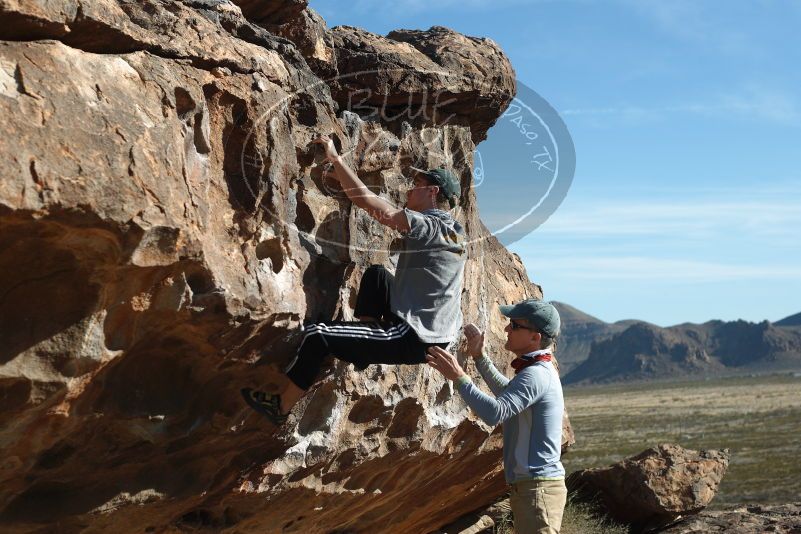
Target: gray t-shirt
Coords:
[(427, 289)]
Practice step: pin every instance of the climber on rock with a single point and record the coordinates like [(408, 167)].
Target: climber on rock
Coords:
[(400, 316), (530, 406)]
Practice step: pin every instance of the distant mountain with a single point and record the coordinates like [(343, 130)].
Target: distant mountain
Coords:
[(793, 320), (591, 350), (572, 315), (579, 331)]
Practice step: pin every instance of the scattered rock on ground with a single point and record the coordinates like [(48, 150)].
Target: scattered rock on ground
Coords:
[(751, 519), (653, 487), (486, 520)]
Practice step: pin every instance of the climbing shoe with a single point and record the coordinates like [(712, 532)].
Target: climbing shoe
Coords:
[(266, 404)]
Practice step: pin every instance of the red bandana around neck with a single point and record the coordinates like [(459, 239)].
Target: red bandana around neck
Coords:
[(518, 364)]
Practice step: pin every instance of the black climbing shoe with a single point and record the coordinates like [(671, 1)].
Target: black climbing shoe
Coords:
[(266, 404)]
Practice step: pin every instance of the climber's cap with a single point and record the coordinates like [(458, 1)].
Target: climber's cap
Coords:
[(539, 313), (446, 180)]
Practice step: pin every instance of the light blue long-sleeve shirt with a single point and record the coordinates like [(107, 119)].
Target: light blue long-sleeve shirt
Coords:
[(530, 406)]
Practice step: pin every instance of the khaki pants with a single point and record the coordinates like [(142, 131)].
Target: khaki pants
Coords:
[(538, 505)]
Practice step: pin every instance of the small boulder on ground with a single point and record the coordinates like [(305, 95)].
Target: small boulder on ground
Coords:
[(654, 487)]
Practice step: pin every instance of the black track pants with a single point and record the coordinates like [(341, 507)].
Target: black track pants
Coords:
[(389, 340)]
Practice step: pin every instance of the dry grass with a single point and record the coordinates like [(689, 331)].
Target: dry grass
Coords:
[(757, 418), (578, 518)]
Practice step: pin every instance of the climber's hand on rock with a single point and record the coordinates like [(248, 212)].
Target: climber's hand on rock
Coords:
[(329, 150), (475, 340), (444, 362)]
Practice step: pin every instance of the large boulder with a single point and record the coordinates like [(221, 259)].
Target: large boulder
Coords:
[(309, 33), (654, 487), (164, 230), (422, 78), (271, 12)]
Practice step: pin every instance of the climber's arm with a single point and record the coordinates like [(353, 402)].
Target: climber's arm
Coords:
[(358, 193), (378, 208)]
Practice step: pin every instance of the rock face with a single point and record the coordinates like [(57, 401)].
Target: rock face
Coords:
[(164, 228), (752, 519), (653, 487), (422, 77)]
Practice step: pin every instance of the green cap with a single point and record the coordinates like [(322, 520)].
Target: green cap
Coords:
[(446, 180), (538, 313)]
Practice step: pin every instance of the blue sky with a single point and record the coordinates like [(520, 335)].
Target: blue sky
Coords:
[(686, 119)]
